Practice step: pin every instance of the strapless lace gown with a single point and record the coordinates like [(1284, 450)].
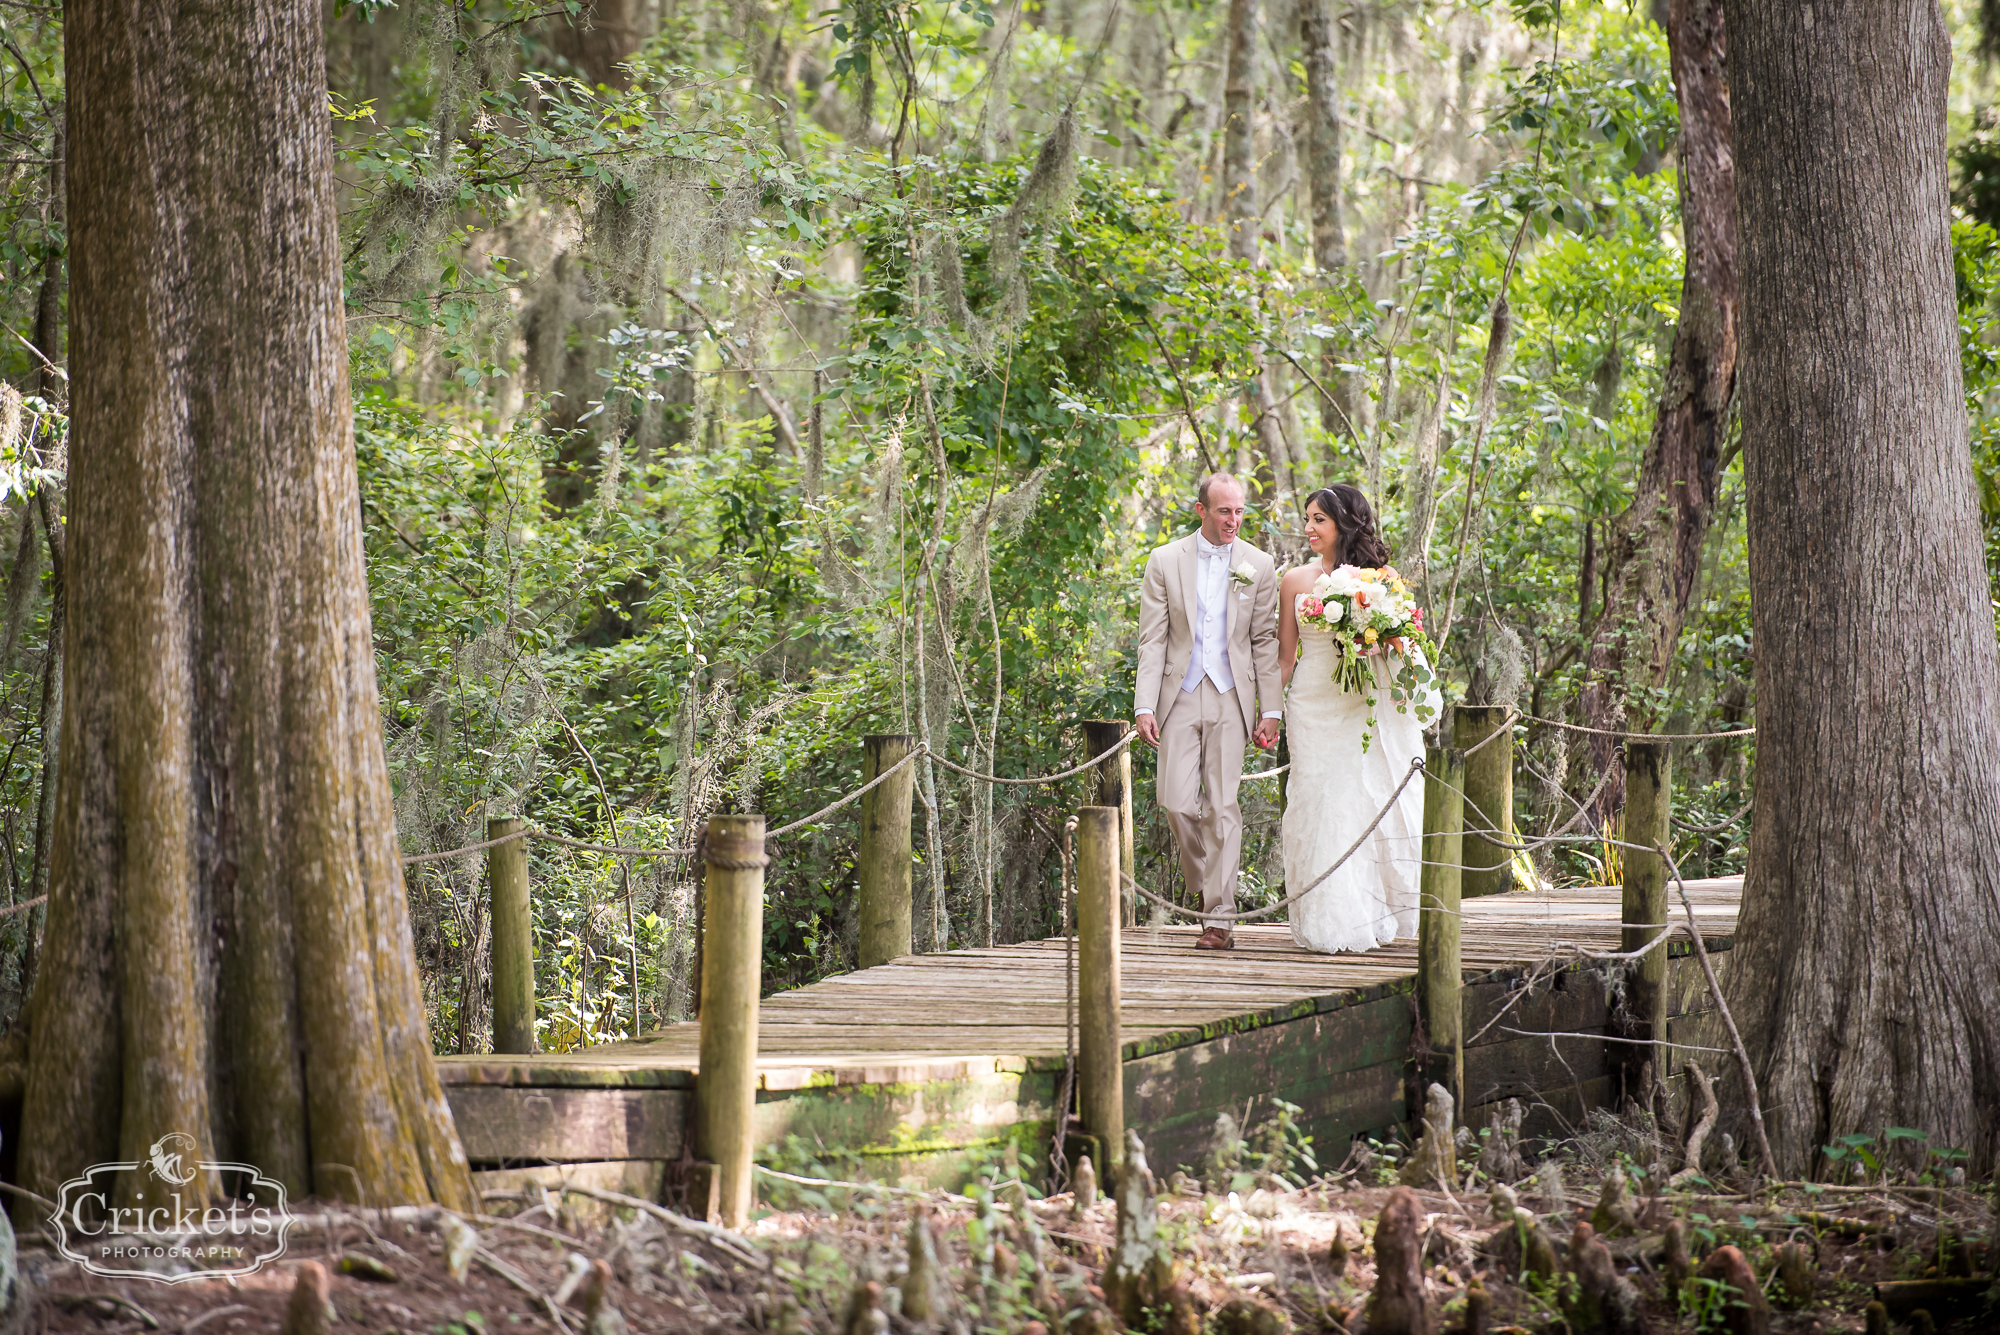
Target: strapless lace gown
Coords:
[(1335, 789)]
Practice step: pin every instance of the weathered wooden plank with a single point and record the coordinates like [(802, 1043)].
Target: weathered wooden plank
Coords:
[(1334, 1108), (500, 1125), (630, 1177), (1570, 999), (1529, 1066), (890, 1118), (1556, 1113), (558, 1070), (1224, 1071)]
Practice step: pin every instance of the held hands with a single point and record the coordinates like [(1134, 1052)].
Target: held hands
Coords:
[(1266, 735)]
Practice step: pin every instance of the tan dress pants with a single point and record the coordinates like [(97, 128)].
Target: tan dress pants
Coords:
[(1200, 766)]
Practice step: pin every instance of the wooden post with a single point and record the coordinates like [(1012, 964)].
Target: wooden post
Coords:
[(1099, 1040), (513, 939), (725, 1089), (1440, 974), (883, 860), (1489, 798), (1649, 795), (1114, 789)]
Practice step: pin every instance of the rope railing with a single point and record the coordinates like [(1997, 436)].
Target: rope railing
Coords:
[(979, 776), (483, 844), (1637, 736), (619, 850), (1417, 766), (1069, 773), (1222, 915)]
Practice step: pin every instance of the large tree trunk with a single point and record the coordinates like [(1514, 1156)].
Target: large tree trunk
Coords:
[(1653, 551), (601, 39), (228, 950), (1239, 136), (1319, 45), (1864, 976), (49, 384)]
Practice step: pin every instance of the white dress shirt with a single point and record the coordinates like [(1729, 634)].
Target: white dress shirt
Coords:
[(1211, 618), (1210, 659)]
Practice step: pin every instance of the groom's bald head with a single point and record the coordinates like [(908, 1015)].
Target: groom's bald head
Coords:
[(1219, 506), (1207, 485)]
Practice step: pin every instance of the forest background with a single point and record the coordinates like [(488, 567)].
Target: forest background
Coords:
[(734, 381)]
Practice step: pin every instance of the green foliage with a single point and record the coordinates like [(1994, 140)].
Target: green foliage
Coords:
[(1709, 1302), (969, 255), (1896, 1151)]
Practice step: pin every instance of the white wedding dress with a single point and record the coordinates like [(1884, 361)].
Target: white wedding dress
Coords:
[(1334, 790)]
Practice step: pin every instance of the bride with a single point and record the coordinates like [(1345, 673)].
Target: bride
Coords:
[(1335, 787)]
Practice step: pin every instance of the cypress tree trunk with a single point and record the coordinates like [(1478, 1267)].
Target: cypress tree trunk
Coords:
[(49, 385), (600, 39), (1864, 977), (1318, 44), (1653, 551), (1239, 138), (228, 950)]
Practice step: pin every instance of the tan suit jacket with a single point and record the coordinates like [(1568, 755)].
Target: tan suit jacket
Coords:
[(1166, 631)]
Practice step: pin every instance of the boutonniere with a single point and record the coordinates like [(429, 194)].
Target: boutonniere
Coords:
[(1244, 574)]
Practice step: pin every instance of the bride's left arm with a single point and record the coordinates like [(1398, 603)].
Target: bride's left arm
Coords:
[(1288, 630)]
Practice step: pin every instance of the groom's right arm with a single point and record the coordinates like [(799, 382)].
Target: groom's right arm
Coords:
[(1152, 646)]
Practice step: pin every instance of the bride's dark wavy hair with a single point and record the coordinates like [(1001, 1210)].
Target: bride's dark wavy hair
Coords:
[(1360, 541)]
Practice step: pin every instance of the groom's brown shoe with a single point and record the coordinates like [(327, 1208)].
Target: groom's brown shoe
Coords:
[(1216, 938)]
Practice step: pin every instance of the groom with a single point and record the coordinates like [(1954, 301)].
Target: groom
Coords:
[(1208, 662)]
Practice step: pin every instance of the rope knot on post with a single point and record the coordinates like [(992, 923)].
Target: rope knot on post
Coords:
[(732, 852)]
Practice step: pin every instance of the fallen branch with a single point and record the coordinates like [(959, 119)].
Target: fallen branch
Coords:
[(1846, 1228), (1698, 1138), (520, 1281), (517, 1224), (110, 1301), (366, 1218), (878, 1188), (194, 1323), (1743, 1066), (735, 1244)]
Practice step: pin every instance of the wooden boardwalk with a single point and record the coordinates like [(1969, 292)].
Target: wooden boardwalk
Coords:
[(920, 1067)]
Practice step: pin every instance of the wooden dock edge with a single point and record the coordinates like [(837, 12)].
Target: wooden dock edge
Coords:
[(1343, 1059)]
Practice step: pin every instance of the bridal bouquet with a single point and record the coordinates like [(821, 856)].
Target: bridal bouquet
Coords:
[(1371, 614)]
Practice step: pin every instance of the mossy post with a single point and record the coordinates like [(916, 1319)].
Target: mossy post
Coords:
[(1489, 797), (884, 856), (1440, 973), (725, 1091), (1099, 1040), (1114, 789), (513, 938), (1648, 821)]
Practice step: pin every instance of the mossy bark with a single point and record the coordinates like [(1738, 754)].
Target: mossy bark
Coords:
[(1863, 977), (228, 951)]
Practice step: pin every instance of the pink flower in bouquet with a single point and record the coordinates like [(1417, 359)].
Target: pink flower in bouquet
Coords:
[(1313, 607)]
